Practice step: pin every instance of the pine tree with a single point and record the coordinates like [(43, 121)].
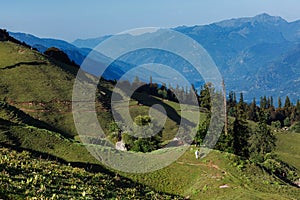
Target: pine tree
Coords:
[(279, 103), (240, 131), (263, 103), (288, 106), (231, 104), (234, 98), (241, 107), (271, 102), (205, 101), (262, 141), (240, 137), (253, 111), (287, 103)]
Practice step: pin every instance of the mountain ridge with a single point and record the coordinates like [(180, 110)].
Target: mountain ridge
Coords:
[(240, 47)]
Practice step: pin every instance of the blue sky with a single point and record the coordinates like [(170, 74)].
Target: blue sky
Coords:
[(67, 20)]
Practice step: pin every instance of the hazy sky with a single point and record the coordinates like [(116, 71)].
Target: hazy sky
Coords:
[(68, 20)]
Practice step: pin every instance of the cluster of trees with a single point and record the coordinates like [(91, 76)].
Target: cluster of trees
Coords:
[(242, 139), (238, 138), (144, 136), (285, 114), (160, 90)]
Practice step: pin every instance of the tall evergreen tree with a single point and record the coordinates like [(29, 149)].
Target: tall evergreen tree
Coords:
[(262, 141), (234, 98), (279, 103), (263, 103), (241, 108), (240, 131), (287, 103), (240, 137), (271, 102), (231, 104), (253, 111), (205, 101)]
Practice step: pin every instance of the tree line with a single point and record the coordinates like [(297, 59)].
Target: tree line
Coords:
[(285, 114), (240, 138)]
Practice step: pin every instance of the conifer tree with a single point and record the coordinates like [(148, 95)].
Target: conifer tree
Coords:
[(279, 103), (262, 141), (287, 103), (253, 111), (240, 130)]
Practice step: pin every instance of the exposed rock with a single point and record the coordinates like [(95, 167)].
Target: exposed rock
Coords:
[(121, 146), (224, 186)]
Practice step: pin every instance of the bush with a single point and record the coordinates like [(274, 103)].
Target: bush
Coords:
[(296, 128), (280, 169), (276, 124), (287, 122), (142, 138)]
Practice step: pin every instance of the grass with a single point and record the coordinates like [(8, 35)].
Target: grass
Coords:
[(24, 176), (41, 88), (31, 82), (288, 148), (29, 76), (201, 179)]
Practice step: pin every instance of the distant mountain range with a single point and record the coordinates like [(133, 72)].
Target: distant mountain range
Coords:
[(256, 55)]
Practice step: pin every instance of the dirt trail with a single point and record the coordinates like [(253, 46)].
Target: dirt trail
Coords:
[(210, 165)]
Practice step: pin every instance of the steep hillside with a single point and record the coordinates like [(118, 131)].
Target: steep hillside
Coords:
[(38, 85), (34, 84), (27, 75)]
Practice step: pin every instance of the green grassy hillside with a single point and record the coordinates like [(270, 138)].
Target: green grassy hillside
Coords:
[(288, 148), (24, 176), (35, 116), (32, 83), (39, 86), (27, 76), (202, 179)]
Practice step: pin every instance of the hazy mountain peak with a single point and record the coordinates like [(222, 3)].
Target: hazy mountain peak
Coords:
[(261, 18), (264, 17), (90, 42)]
